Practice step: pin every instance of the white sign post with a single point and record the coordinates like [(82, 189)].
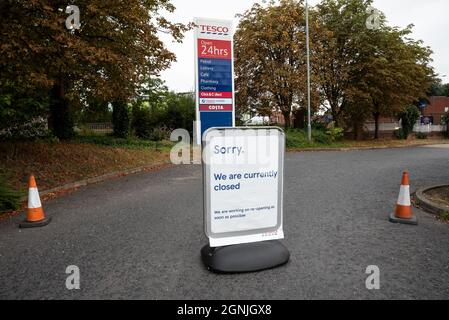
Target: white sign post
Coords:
[(243, 170)]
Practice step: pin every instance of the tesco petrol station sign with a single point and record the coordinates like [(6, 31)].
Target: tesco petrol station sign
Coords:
[(242, 167), (214, 75)]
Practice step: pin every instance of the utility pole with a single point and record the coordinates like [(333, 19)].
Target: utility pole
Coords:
[(309, 120)]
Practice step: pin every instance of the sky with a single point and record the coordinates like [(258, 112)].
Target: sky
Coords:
[(429, 17)]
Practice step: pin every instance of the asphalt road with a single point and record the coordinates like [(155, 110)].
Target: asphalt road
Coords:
[(139, 237)]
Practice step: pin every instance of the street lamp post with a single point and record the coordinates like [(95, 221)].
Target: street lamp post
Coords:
[(309, 121)]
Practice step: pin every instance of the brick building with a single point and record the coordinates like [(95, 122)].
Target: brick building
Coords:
[(435, 110)]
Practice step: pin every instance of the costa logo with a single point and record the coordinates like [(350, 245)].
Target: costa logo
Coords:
[(214, 29)]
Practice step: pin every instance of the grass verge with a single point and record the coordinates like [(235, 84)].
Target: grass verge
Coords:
[(59, 163), (297, 141)]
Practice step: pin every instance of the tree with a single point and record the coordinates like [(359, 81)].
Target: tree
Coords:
[(120, 119), (408, 120), (116, 48), (340, 48), (445, 121), (438, 89), (180, 111), (397, 73), (96, 111), (33, 104), (270, 58), (367, 73)]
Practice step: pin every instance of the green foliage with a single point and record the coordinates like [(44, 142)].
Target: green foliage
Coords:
[(96, 112), (9, 198), (130, 143), (358, 72), (270, 58), (321, 137), (421, 136), (297, 139), (143, 121), (439, 89), (62, 119), (335, 134), (408, 119), (120, 119), (108, 58), (399, 134), (35, 129), (173, 111), (180, 112), (19, 106), (444, 216), (445, 121), (158, 134)]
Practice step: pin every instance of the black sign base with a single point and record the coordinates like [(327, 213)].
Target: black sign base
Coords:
[(244, 258)]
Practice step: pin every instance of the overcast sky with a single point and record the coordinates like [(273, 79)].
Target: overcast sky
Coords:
[(429, 17)]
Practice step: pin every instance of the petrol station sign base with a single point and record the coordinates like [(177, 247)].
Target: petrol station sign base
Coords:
[(243, 258)]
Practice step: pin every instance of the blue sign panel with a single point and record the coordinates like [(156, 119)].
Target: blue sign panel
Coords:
[(215, 75), (215, 119)]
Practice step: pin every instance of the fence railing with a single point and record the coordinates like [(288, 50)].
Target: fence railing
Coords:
[(100, 127), (428, 128)]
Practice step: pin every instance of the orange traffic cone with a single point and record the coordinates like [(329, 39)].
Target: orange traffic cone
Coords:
[(35, 213), (403, 213)]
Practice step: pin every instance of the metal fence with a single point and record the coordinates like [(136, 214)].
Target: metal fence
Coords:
[(99, 127)]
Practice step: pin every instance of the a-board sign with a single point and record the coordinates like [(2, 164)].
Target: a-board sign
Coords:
[(243, 171), (214, 74)]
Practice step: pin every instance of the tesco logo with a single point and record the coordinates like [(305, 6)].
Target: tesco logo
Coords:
[(214, 29)]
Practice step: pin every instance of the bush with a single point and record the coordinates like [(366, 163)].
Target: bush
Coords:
[(9, 198), (318, 125), (335, 134), (180, 112), (399, 134), (421, 136), (445, 121), (296, 139), (409, 118), (155, 121), (35, 129), (129, 143), (141, 123), (120, 119), (321, 137), (159, 134)]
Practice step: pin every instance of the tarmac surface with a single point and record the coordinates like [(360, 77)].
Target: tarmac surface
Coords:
[(139, 237)]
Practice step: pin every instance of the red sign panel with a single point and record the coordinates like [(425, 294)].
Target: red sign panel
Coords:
[(226, 95), (214, 49), (216, 107)]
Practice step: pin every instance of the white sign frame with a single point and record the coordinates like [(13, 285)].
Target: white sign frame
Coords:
[(249, 236)]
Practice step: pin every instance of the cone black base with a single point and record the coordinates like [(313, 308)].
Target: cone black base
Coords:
[(413, 221), (244, 258), (36, 224)]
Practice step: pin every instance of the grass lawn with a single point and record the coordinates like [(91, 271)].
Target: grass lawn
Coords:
[(297, 141)]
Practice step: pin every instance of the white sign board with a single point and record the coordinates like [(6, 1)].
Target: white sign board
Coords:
[(243, 185)]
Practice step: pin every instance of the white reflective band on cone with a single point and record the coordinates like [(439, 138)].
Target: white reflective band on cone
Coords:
[(404, 196), (33, 199)]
